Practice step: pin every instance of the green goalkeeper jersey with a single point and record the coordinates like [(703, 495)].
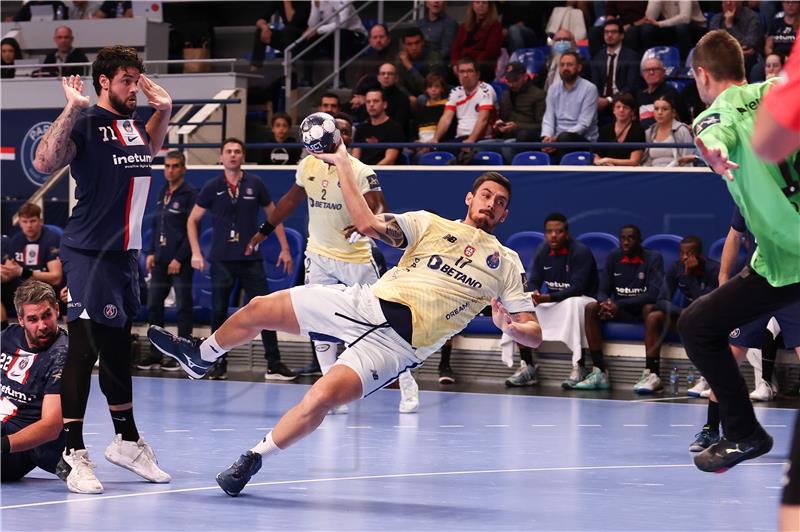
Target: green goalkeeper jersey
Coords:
[(759, 188)]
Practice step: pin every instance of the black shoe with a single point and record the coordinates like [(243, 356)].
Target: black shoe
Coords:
[(446, 375), (219, 372), (169, 364), (725, 454), (279, 372), (185, 351), (149, 361), (235, 478), (312, 369)]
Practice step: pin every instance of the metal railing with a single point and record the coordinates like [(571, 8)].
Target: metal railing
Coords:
[(231, 62)]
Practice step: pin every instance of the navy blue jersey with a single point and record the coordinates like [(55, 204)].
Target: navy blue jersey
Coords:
[(28, 375), (169, 240), (569, 272), (112, 177), (34, 254), (5, 248), (739, 224), (632, 281), (234, 214), (679, 289)]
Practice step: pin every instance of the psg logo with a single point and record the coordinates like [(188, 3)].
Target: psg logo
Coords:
[(735, 333), (110, 311), (28, 149), (493, 260), (23, 363)]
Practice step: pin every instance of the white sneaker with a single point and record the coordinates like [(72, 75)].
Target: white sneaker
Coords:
[(137, 457), (649, 383), (409, 395), (341, 409), (764, 392), (699, 389), (76, 469)]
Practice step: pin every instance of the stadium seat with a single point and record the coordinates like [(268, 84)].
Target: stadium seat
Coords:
[(54, 228), (436, 158), (391, 254), (668, 245), (531, 158), (715, 252), (532, 58), (402, 159), (525, 244), (487, 158), (601, 245), (270, 249), (669, 55), (577, 158)]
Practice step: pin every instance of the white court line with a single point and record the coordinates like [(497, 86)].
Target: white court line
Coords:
[(656, 399), (774, 426), (681, 425), (177, 430), (406, 427), (496, 426), (222, 430), (358, 427), (91, 433), (96, 498), (542, 425), (263, 428), (451, 426), (586, 425), (634, 425)]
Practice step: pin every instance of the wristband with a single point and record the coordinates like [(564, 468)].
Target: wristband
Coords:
[(26, 273), (6, 445), (266, 228)]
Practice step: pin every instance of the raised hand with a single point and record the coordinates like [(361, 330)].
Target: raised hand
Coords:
[(73, 90), (715, 159), (156, 96)]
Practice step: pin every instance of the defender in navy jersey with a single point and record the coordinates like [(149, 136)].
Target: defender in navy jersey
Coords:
[(31, 362), (31, 254), (109, 151), (631, 280), (563, 278)]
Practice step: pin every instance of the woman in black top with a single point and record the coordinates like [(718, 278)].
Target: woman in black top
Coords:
[(625, 128)]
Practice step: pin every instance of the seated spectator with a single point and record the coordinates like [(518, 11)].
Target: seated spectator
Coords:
[(438, 29), (10, 52), (522, 107), (615, 68), (519, 20), (563, 41), (31, 253), (473, 105), (782, 31), (630, 15), (667, 129), (281, 125), (36, 6), (654, 75), (329, 103), (295, 22), (743, 24), (398, 105), (64, 53), (773, 65), (624, 129), (379, 128), (351, 34), (415, 61), (670, 22), (480, 37), (381, 50), (574, 16), (115, 10), (83, 10), (571, 114), (430, 108), (345, 124), (688, 278), (32, 433), (563, 278), (631, 280)]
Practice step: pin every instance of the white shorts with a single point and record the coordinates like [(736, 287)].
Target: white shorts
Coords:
[(327, 271), (353, 314)]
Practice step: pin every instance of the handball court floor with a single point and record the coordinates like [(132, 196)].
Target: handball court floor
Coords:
[(466, 461)]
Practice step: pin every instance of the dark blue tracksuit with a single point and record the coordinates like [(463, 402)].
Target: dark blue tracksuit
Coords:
[(631, 282), (679, 289), (568, 272)]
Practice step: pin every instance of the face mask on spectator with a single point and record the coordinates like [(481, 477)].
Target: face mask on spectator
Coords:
[(560, 47)]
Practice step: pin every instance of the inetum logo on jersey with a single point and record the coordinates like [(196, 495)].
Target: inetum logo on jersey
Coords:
[(28, 149)]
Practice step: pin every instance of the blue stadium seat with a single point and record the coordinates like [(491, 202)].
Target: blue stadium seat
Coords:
[(601, 245), (715, 252), (54, 228), (679, 84), (668, 245), (402, 159), (669, 55), (499, 88), (271, 248), (391, 254), (525, 244), (577, 158), (532, 58), (487, 158), (531, 158), (436, 158)]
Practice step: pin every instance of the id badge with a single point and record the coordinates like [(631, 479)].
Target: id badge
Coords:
[(162, 240), (234, 236)]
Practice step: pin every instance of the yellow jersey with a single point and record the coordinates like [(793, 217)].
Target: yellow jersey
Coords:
[(448, 274), (327, 213)]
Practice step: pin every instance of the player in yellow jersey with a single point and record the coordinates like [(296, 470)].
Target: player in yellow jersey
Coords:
[(332, 257), (448, 273)]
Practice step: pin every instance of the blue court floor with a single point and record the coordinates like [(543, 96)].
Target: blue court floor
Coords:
[(464, 462)]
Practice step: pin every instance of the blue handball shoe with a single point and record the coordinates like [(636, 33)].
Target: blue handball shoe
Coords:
[(235, 478), (185, 351)]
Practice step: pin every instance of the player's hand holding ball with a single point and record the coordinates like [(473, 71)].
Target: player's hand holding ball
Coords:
[(320, 134)]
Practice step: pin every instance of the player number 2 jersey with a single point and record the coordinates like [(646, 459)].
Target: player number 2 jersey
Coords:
[(448, 274)]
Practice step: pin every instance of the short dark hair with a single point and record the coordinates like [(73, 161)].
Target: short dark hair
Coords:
[(29, 210), (626, 99), (330, 95), (667, 98), (496, 177), (467, 60), (112, 58), (343, 116), (413, 31), (636, 230), (720, 54), (613, 22), (692, 239), (231, 140), (33, 292), (376, 89), (282, 115), (574, 54), (557, 217), (176, 154)]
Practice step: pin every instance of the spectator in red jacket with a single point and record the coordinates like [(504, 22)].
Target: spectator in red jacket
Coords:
[(480, 38)]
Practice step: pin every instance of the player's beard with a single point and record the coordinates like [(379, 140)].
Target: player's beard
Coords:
[(121, 106), (485, 222)]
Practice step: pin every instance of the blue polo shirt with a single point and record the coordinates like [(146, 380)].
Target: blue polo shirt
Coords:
[(632, 281), (28, 375), (169, 240), (111, 170), (234, 215), (690, 286), (568, 272), (33, 254)]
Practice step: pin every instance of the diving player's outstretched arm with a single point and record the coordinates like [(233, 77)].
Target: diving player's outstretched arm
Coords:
[(56, 149), (523, 327), (161, 101), (382, 226)]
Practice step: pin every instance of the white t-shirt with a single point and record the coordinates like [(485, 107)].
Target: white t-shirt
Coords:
[(469, 106)]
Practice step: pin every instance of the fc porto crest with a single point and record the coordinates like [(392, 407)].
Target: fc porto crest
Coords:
[(493, 260)]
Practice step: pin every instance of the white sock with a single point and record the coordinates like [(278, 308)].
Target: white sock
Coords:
[(210, 350), (326, 354), (266, 446)]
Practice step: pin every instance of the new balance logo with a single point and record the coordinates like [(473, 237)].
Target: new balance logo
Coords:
[(450, 238)]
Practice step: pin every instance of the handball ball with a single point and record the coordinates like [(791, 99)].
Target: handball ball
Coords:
[(320, 133)]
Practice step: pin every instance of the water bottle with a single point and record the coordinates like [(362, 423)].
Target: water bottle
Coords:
[(60, 12), (120, 10), (690, 379), (673, 381)]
